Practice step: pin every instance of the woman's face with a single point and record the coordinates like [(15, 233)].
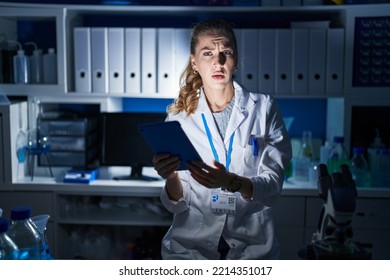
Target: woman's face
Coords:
[(214, 61)]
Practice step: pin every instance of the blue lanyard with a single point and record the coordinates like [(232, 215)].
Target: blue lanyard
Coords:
[(229, 154)]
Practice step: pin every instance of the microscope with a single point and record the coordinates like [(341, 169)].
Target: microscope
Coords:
[(333, 237)]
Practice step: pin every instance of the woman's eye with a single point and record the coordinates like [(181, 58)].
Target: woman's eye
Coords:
[(207, 53), (227, 53)]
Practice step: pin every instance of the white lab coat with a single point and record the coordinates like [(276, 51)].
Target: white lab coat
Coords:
[(196, 230)]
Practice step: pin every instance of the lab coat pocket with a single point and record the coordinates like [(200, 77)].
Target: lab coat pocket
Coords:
[(252, 152), (187, 224), (253, 228)]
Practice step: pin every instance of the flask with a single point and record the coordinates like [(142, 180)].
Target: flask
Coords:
[(50, 67), (338, 155), (8, 248), (36, 65), (21, 67), (359, 168), (25, 234)]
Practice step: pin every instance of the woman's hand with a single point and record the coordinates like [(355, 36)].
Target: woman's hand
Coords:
[(166, 165), (208, 176)]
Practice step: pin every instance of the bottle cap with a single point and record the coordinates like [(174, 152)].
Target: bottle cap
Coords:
[(21, 213), (338, 139), (358, 150), (3, 225)]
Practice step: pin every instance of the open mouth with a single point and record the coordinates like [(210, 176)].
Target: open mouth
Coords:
[(218, 76)]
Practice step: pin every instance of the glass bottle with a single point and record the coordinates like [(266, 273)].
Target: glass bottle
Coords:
[(359, 168), (8, 248), (25, 234)]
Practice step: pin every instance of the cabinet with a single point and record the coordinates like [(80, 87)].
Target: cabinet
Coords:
[(61, 21), (73, 207)]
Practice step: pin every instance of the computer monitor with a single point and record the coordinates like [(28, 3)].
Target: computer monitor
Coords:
[(123, 145)]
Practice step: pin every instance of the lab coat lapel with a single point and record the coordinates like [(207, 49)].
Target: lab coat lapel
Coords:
[(240, 111)]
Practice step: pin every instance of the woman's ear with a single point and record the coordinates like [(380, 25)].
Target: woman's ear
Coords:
[(193, 64)]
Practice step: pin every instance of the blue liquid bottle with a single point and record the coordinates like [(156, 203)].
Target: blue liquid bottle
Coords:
[(8, 248), (25, 234)]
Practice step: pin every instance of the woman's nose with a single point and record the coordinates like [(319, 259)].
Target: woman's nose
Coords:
[(221, 58)]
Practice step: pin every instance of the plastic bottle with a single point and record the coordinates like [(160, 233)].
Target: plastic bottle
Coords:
[(8, 248), (376, 157), (359, 168), (25, 234), (50, 67), (302, 163), (324, 152), (36, 65), (21, 65), (338, 155)]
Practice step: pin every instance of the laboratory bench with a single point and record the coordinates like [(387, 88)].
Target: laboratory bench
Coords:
[(118, 214)]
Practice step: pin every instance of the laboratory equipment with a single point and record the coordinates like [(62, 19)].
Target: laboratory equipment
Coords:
[(25, 234), (38, 142), (8, 248), (21, 65), (302, 162), (50, 67), (40, 222), (338, 155), (36, 65), (359, 168), (333, 237)]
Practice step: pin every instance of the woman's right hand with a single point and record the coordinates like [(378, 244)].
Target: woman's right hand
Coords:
[(166, 165)]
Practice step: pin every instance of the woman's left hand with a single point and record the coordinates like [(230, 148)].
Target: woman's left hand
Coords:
[(208, 176)]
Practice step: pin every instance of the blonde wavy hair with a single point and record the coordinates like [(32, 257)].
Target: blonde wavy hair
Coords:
[(190, 81)]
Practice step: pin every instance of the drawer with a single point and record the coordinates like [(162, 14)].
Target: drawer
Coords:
[(76, 127), (372, 213), (72, 143)]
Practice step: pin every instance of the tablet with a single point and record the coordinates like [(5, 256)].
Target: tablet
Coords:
[(169, 137)]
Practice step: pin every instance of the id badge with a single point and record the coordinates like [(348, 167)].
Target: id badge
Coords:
[(223, 202)]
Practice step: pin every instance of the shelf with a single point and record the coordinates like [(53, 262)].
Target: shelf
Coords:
[(117, 216)]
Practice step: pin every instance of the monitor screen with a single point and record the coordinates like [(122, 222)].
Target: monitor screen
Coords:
[(123, 145)]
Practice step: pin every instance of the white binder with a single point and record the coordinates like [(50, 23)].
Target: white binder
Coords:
[(165, 61), (267, 58), (182, 53), (149, 60), (82, 59), (237, 72), (249, 57), (300, 61), (317, 58), (283, 61), (99, 59), (116, 61), (335, 61), (133, 60)]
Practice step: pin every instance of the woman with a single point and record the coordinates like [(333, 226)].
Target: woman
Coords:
[(222, 205)]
